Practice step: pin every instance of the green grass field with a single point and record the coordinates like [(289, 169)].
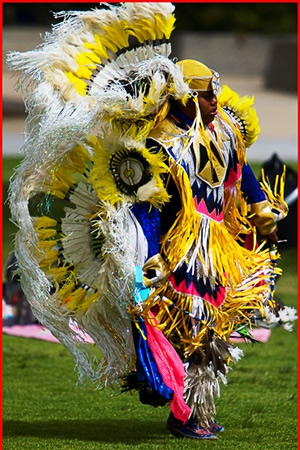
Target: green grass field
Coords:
[(44, 408)]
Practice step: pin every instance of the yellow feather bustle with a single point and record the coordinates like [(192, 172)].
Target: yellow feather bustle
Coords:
[(103, 179), (242, 110), (97, 48), (64, 176)]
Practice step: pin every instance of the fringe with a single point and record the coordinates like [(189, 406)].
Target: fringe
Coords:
[(201, 388), (275, 197), (201, 238), (190, 334)]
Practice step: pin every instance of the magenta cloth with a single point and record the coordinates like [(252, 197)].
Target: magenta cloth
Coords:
[(171, 369)]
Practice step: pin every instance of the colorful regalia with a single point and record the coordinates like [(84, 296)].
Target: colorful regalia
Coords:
[(132, 219)]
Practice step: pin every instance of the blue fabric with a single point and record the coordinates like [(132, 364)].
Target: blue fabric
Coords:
[(250, 186), (146, 367), (149, 219), (141, 292)]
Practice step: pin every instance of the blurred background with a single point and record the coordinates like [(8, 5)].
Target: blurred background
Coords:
[(252, 45)]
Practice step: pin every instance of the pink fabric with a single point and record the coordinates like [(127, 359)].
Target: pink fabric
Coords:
[(35, 331), (233, 176), (171, 369), (202, 208), (191, 290), (30, 331)]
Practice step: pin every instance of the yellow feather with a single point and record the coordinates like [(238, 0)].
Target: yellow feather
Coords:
[(243, 108), (75, 161), (143, 29), (79, 84), (75, 298), (88, 300), (106, 43), (47, 245), (46, 233), (57, 274), (44, 222), (52, 257), (161, 26), (117, 34), (92, 55), (84, 72), (100, 49), (165, 24), (84, 59), (66, 290)]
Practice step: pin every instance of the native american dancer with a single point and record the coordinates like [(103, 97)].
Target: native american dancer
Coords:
[(133, 202)]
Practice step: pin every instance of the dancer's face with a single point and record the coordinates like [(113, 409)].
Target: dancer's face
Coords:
[(208, 106), (208, 103)]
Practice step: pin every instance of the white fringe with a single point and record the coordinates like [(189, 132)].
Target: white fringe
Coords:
[(201, 388)]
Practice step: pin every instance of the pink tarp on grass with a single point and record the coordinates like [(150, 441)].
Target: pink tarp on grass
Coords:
[(260, 334), (35, 331)]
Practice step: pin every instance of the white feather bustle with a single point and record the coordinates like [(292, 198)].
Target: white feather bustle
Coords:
[(58, 119)]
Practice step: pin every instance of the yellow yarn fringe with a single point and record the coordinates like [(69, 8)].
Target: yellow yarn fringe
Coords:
[(230, 268), (275, 197), (236, 262), (175, 322), (236, 212)]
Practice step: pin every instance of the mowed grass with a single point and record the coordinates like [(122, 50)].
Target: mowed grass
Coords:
[(44, 408)]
